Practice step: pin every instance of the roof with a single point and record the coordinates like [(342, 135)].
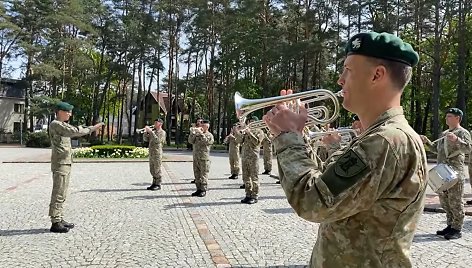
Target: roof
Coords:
[(12, 88)]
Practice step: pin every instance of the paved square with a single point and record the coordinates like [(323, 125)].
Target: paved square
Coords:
[(121, 224)]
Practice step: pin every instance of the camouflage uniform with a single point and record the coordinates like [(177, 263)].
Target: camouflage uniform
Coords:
[(233, 154), (201, 157), (451, 200), (156, 139), (251, 144), (368, 211), (267, 151), (61, 161)]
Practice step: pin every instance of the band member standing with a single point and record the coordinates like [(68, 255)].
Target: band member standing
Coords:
[(233, 154), (156, 138), (202, 140), (451, 150), (60, 133), (267, 152), (251, 144), (368, 210)]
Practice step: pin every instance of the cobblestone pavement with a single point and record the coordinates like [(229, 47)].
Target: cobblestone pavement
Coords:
[(120, 224)]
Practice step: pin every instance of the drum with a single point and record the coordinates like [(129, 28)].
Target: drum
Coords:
[(442, 177)]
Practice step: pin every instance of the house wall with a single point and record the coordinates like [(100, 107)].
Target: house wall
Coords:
[(8, 116)]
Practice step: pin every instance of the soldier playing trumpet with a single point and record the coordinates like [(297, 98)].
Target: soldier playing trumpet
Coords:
[(202, 140), (233, 153), (156, 137)]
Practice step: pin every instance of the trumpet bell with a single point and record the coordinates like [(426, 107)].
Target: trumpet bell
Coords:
[(244, 106)]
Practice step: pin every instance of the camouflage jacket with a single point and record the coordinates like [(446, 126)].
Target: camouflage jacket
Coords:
[(251, 142), (231, 141), (156, 139), (60, 134), (201, 144), (452, 153), (368, 199)]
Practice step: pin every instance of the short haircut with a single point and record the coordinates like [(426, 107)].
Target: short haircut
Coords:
[(399, 73)]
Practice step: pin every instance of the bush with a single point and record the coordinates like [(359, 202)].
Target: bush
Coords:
[(110, 151), (38, 139)]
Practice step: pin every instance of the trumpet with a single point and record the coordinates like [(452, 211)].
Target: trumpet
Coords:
[(316, 115), (347, 135), (142, 130), (195, 130)]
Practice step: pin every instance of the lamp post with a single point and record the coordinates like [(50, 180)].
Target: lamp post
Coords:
[(21, 132)]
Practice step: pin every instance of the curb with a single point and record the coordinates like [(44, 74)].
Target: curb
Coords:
[(98, 161)]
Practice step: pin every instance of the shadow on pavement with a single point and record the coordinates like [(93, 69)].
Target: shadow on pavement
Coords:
[(423, 238), (278, 210), (23, 232)]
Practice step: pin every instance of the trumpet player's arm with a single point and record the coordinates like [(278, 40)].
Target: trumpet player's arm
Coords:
[(348, 185), (66, 130), (206, 138), (238, 136)]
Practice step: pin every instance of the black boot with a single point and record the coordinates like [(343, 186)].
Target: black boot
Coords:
[(58, 227), (444, 231), (196, 193), (233, 177), (277, 182), (249, 200), (68, 224), (192, 181), (202, 194), (453, 234), (266, 172), (242, 187), (154, 187), (245, 200), (468, 202)]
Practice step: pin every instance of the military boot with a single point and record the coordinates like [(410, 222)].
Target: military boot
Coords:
[(68, 224), (242, 187), (453, 234), (249, 200), (266, 172), (233, 177), (444, 231), (154, 187), (58, 227), (197, 193)]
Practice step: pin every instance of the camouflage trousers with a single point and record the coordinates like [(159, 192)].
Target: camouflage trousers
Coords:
[(451, 202), (234, 162), (470, 174), (60, 186), (201, 167), (155, 165), (267, 156), (250, 168)]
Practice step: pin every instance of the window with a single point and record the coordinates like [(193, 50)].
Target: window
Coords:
[(19, 108), (16, 126)]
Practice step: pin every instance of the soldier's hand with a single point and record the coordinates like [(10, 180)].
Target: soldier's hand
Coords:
[(331, 139), (451, 137), (147, 129)]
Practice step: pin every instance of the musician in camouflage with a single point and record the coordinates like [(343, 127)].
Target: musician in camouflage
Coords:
[(469, 202), (60, 133), (251, 144), (233, 154), (267, 152), (451, 150), (370, 196), (202, 140), (156, 138)]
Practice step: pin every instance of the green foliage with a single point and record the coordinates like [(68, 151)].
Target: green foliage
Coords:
[(38, 139), (112, 150)]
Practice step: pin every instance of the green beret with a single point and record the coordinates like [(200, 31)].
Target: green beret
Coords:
[(204, 121), (382, 45), (455, 111), (254, 118), (64, 106)]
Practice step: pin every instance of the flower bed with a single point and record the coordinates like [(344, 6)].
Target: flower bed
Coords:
[(110, 151)]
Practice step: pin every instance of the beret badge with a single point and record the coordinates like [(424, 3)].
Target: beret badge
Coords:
[(356, 44)]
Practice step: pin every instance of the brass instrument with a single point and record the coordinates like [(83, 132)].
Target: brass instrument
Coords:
[(195, 130), (316, 115), (347, 134), (142, 130)]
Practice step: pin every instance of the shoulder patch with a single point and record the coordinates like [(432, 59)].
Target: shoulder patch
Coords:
[(349, 164)]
